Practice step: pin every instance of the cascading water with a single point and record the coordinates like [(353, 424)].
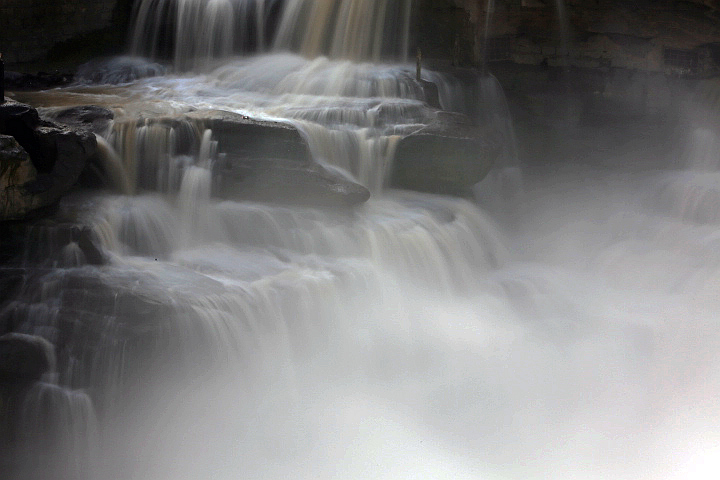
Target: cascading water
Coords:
[(202, 30), (410, 337)]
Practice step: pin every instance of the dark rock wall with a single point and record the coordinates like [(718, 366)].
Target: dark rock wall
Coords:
[(680, 37), (39, 33)]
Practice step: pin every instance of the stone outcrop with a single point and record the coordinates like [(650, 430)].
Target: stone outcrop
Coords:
[(448, 156), (271, 161), (117, 70), (17, 81), (243, 136), (58, 155), (24, 358), (16, 170), (278, 180), (83, 117), (671, 37)]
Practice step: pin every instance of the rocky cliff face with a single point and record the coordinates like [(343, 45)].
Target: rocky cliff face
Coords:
[(44, 34), (668, 36)]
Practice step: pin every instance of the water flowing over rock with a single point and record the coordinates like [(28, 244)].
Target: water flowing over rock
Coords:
[(256, 293), (41, 424), (251, 138), (354, 29), (200, 32)]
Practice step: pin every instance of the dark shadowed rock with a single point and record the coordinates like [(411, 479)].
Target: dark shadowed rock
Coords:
[(271, 161), (287, 182), (243, 136), (117, 70), (16, 170), (11, 280), (30, 81), (84, 117), (66, 152), (448, 156), (24, 358), (58, 154)]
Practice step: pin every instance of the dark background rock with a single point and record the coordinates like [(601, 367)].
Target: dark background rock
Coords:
[(17, 81), (667, 36), (24, 358), (50, 35)]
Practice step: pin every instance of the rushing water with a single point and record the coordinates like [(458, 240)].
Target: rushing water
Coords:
[(567, 329)]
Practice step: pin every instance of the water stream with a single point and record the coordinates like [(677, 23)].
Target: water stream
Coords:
[(568, 330)]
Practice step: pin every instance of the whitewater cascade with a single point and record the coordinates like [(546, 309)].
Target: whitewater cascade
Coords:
[(413, 336)]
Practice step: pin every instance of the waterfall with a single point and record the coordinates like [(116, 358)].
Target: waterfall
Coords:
[(354, 29), (563, 323), (195, 32)]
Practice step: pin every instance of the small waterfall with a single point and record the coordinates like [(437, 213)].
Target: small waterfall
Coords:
[(693, 192), (46, 431), (702, 151), (193, 199), (197, 32), (59, 423), (502, 188), (113, 167), (156, 152), (353, 29)]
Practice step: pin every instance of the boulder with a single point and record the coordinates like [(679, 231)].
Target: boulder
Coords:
[(243, 136), (448, 156), (91, 118), (118, 70), (16, 171), (58, 155), (67, 152), (271, 161), (25, 358), (284, 181)]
